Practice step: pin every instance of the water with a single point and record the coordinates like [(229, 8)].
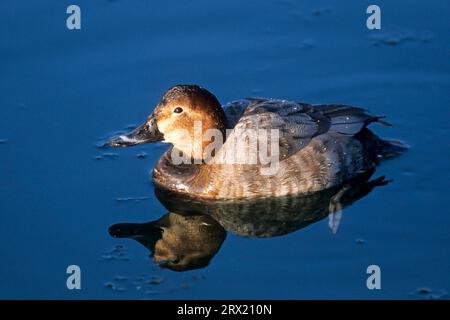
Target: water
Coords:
[(62, 91)]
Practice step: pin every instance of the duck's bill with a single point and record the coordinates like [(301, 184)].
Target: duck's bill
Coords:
[(148, 132)]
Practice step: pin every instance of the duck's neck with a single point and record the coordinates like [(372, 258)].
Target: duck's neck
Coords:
[(189, 178)]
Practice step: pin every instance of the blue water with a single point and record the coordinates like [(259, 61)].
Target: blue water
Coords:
[(61, 91)]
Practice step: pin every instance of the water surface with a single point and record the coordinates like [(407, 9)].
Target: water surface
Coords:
[(62, 91)]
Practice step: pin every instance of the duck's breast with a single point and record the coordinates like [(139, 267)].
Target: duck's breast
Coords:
[(325, 162)]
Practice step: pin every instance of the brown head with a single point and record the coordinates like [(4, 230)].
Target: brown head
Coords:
[(181, 111)]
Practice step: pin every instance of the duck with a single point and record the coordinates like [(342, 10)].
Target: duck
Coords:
[(257, 147)]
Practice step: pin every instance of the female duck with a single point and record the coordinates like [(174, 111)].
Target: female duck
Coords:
[(256, 147)]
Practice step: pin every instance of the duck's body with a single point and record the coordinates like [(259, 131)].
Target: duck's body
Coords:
[(317, 161), (319, 147)]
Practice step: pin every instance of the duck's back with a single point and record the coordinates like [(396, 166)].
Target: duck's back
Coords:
[(320, 146)]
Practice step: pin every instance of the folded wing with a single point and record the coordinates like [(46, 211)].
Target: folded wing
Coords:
[(298, 123)]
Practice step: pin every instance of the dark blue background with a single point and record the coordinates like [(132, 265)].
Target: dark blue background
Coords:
[(61, 90)]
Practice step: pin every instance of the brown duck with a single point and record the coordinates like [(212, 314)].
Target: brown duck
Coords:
[(309, 147)]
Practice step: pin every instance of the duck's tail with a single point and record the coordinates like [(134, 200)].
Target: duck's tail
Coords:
[(380, 149)]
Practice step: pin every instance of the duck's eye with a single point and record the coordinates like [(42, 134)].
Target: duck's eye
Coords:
[(175, 261), (178, 110)]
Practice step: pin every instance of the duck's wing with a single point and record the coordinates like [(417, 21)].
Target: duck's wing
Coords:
[(297, 122), (234, 111), (348, 120)]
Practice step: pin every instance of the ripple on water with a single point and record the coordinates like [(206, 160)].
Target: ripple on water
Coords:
[(107, 155), (305, 44), (102, 142), (114, 287), (117, 253), (429, 294), (321, 11), (132, 199), (197, 277), (396, 37), (144, 284), (155, 280), (120, 278), (149, 284), (141, 155), (185, 285)]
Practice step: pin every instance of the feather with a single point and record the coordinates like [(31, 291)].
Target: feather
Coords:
[(298, 123)]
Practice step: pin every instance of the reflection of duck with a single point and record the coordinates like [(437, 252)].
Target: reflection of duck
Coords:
[(270, 217), (178, 242), (192, 233), (319, 146)]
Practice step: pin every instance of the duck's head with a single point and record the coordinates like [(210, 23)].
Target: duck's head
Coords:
[(176, 117)]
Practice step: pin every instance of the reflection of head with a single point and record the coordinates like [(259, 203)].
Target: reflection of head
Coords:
[(178, 242)]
